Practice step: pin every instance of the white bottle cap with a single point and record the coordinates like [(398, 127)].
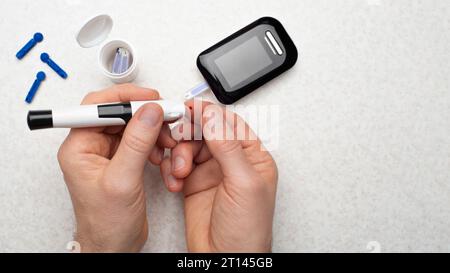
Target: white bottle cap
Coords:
[(94, 32)]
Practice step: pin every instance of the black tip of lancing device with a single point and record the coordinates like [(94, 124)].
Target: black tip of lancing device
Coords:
[(40, 119)]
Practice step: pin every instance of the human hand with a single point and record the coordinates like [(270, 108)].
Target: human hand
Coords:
[(103, 169), (229, 185)]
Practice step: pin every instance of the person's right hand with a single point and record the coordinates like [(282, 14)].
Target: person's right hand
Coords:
[(229, 187), (104, 171)]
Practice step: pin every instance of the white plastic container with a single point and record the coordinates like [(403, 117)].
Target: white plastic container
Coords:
[(95, 32)]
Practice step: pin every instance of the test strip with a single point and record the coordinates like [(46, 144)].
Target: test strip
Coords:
[(194, 92)]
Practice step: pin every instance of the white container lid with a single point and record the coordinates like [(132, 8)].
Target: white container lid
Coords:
[(95, 31)]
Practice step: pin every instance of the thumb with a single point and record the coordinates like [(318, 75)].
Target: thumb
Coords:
[(138, 140), (226, 149)]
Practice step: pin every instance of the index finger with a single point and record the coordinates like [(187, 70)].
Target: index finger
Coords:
[(121, 93)]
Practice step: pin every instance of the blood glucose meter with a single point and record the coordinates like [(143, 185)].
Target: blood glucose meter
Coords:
[(248, 59)]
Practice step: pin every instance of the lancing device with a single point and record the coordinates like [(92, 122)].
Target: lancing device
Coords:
[(86, 116)]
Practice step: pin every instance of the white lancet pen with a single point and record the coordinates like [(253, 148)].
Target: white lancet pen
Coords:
[(108, 114), (112, 114)]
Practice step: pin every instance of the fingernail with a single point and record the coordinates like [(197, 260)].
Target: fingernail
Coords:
[(179, 163), (149, 117), (171, 181)]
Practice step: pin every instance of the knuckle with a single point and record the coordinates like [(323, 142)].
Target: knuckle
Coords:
[(123, 90), (136, 143), (125, 86), (228, 147), (268, 168), (61, 155), (274, 173)]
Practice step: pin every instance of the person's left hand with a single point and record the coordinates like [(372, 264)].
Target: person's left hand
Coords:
[(229, 182), (103, 169)]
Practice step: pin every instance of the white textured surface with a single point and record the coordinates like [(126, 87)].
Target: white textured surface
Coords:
[(365, 128)]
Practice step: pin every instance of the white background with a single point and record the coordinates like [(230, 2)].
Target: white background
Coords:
[(364, 122)]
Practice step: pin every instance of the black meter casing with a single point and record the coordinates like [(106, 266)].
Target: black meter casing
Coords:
[(246, 60)]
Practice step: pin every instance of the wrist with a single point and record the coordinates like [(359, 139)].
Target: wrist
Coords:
[(111, 242)]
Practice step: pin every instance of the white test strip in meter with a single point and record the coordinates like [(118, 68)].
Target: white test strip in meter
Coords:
[(194, 92)]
